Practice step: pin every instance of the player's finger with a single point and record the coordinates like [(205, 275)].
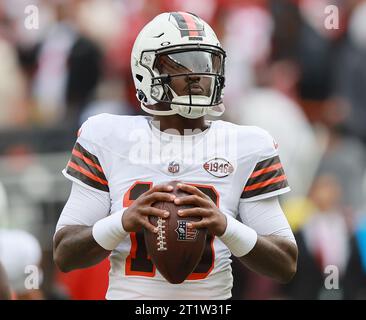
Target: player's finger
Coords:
[(159, 196), (159, 188), (197, 224), (147, 225), (193, 200), (194, 212), (151, 211), (191, 189)]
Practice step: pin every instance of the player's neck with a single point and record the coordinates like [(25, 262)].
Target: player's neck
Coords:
[(180, 124)]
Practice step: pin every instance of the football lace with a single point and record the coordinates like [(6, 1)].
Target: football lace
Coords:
[(161, 235)]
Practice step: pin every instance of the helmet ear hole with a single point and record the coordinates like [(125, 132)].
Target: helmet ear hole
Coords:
[(139, 77), (141, 96)]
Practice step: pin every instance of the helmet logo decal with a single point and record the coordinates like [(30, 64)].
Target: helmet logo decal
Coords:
[(189, 24), (159, 35)]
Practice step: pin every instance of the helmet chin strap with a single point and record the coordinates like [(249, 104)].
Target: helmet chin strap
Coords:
[(197, 112), (194, 113), (157, 112), (190, 112)]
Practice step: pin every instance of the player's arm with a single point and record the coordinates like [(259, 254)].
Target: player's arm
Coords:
[(264, 241), (89, 202), (74, 244), (273, 256), (86, 232), (274, 250), (75, 248)]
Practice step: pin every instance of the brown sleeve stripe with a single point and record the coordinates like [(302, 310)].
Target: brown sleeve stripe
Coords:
[(266, 189), (86, 176), (268, 175), (87, 173), (82, 161), (86, 153), (267, 163), (264, 177), (265, 183), (87, 160), (86, 167), (265, 170)]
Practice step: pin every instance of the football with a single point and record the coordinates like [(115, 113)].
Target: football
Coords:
[(175, 249)]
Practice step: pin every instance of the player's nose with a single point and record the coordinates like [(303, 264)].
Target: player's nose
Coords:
[(193, 78)]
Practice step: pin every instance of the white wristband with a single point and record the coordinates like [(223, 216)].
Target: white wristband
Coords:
[(239, 238), (108, 232)]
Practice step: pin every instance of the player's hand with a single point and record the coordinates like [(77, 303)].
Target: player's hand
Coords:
[(136, 215), (212, 218)]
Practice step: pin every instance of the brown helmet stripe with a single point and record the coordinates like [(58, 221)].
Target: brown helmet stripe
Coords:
[(189, 24), (182, 24)]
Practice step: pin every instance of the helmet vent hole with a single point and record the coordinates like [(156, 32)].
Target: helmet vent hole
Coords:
[(139, 77), (141, 96)]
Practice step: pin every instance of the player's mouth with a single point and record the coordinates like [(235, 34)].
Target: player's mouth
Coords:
[(194, 89)]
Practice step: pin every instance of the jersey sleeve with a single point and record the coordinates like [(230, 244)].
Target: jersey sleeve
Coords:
[(84, 207), (86, 165), (266, 217), (267, 178)]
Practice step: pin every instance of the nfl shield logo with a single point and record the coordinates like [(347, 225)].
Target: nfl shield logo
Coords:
[(185, 233), (173, 167)]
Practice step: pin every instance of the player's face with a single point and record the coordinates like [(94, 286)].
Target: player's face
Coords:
[(186, 64)]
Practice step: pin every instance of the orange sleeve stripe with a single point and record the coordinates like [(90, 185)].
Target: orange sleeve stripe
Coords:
[(265, 170), (87, 173), (265, 183), (87, 160)]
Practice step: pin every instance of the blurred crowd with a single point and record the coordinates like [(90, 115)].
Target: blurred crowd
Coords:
[(286, 72)]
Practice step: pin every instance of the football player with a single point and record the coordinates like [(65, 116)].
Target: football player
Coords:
[(120, 166)]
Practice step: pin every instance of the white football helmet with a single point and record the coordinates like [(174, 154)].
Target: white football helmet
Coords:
[(179, 46)]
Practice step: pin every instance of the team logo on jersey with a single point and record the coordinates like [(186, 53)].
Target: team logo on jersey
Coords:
[(173, 167), (185, 233), (218, 167)]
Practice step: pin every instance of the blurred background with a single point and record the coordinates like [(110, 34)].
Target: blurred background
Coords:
[(285, 72)]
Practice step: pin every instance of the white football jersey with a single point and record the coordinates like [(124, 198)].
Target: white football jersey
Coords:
[(124, 156)]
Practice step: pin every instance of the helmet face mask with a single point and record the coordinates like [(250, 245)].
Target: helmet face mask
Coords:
[(194, 74), (187, 75)]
